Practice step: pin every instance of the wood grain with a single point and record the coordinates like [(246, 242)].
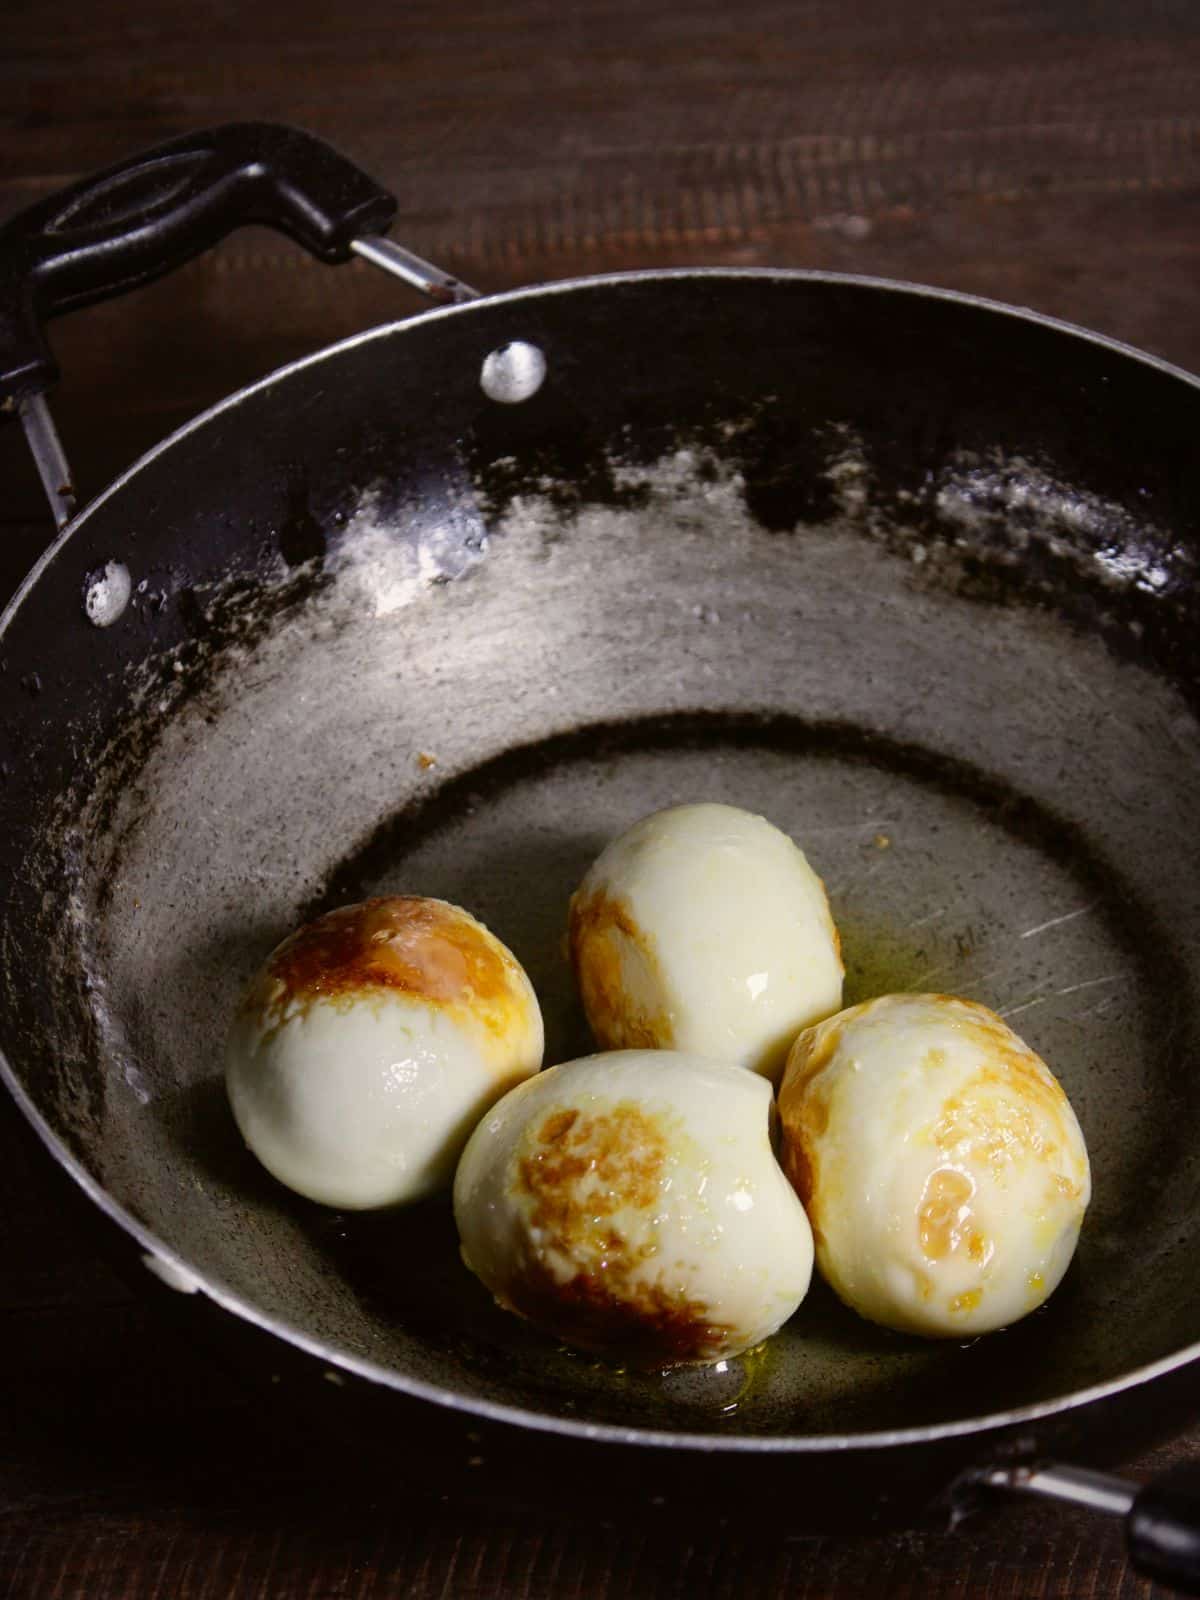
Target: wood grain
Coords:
[(1042, 153)]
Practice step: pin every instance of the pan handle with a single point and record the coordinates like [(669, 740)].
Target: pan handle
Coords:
[(1162, 1517), (139, 219)]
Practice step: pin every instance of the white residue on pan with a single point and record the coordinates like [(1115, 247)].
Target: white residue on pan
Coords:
[(689, 473), (1010, 494), (1009, 505), (1130, 566), (689, 486), (374, 560), (378, 561), (850, 477)]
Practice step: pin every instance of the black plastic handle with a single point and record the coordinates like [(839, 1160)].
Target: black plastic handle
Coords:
[(136, 221), (1163, 1529)]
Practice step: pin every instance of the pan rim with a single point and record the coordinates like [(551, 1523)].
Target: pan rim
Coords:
[(162, 1258), (386, 330)]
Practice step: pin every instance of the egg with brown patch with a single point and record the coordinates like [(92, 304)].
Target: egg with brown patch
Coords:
[(631, 1204), (704, 929), (371, 1042), (942, 1166)]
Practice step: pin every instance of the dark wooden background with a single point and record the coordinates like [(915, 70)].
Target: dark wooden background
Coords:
[(1041, 151)]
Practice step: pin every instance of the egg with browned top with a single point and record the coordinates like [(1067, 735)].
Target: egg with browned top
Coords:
[(704, 929), (631, 1204), (370, 1044), (944, 1172)]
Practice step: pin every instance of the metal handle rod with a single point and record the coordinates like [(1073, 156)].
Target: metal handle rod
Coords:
[(422, 275), (1098, 1491), (42, 438)]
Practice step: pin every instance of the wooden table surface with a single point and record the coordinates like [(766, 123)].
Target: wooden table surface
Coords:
[(1045, 152)]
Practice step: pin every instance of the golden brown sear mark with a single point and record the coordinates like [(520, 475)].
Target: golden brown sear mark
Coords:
[(583, 1275), (804, 1110), (799, 1164), (660, 1331), (404, 943), (579, 1169), (558, 1126), (944, 1213), (601, 929), (811, 1053), (1011, 1063), (831, 926)]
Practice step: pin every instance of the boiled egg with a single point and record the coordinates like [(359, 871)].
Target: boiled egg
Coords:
[(944, 1172), (631, 1204), (704, 929), (370, 1044)]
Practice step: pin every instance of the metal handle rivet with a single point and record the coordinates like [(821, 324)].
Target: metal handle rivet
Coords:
[(106, 593), (513, 373)]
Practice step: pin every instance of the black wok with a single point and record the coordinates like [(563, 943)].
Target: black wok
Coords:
[(450, 603)]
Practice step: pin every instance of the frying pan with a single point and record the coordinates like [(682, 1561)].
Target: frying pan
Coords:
[(445, 606)]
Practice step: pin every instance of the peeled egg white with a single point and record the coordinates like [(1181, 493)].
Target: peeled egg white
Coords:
[(943, 1169), (370, 1044), (704, 929), (631, 1204)]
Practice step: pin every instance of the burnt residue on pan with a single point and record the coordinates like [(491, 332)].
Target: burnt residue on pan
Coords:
[(981, 524)]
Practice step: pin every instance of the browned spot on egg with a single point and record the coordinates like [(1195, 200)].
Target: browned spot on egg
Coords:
[(989, 1122), (809, 1056), (660, 1331), (583, 1274), (834, 936), (405, 943), (800, 1168), (622, 1153), (944, 1212), (1010, 1062), (967, 1301), (804, 1110), (977, 1246), (1012, 1106), (816, 1113), (558, 1126), (602, 934)]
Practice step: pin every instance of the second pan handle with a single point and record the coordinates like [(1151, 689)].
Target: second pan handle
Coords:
[(1162, 1517)]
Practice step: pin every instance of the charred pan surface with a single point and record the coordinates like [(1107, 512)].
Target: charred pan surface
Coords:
[(998, 524), (590, 1182)]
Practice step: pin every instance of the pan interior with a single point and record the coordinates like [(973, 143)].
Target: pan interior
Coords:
[(860, 573), (1001, 805)]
